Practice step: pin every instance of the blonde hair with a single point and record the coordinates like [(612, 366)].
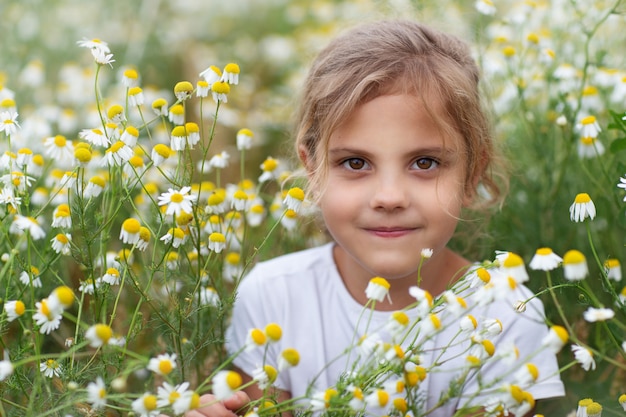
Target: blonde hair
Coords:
[(390, 57)]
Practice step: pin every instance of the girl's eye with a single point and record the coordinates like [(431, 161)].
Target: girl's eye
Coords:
[(355, 164), (426, 163)]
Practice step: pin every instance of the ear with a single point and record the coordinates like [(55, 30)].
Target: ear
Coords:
[(471, 187), (306, 158)]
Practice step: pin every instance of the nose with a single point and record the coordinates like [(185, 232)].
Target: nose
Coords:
[(390, 192)]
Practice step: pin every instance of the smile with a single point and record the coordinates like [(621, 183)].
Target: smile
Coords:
[(390, 232)]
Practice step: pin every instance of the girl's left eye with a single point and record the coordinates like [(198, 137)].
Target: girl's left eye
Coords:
[(355, 164), (426, 164)]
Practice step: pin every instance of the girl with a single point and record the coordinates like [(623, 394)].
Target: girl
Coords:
[(395, 143)]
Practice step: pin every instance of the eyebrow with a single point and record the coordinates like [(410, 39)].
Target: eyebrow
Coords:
[(437, 150)]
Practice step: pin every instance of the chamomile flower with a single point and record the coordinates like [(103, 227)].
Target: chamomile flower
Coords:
[(129, 232), (176, 236), (468, 323), (231, 74), (289, 220), (189, 400), (575, 265), (163, 364), (555, 339), (485, 7), (239, 200), (51, 368), (232, 267), (613, 269), (589, 147), (130, 78), (89, 286), (144, 238), (589, 127), (271, 169), (97, 394), (225, 384), (111, 276), (48, 319), (208, 296), (168, 394), (94, 136), (14, 309), (176, 114), (294, 199), (220, 90), (99, 335), (7, 196), (94, 187), (160, 107), (211, 74), (255, 338), (527, 375), (130, 136), (513, 265), (177, 201), (8, 123), (217, 242), (244, 139), (117, 154), (378, 401), (256, 213), (264, 376), (320, 400), (582, 208), (183, 90), (23, 224), (94, 44), (61, 216), (397, 323), (377, 289), (24, 157), (202, 88), (6, 367), (160, 153), (545, 260), (584, 356), (593, 314), (288, 358), (178, 138), (146, 405), (219, 161), (31, 278)]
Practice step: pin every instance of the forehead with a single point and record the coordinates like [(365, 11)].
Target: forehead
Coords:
[(418, 120)]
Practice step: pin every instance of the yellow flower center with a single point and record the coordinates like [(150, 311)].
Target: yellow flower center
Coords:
[(104, 332), (483, 274), (582, 198), (572, 257), (401, 317), (165, 366), (589, 120), (20, 308), (113, 272), (258, 337), (544, 251), (383, 397), (292, 356), (162, 150), (270, 164), (174, 395), (296, 193), (131, 73), (192, 127), (116, 146), (217, 237), (435, 320), (240, 195), (489, 347), (513, 260), (158, 103), (612, 263), (150, 402), (97, 180), (232, 68), (131, 226), (508, 51), (274, 331), (195, 401), (220, 87), (60, 141), (561, 332), (271, 373), (183, 87), (177, 198), (233, 380), (400, 404), (381, 282), (114, 111), (133, 91), (65, 295), (83, 155)]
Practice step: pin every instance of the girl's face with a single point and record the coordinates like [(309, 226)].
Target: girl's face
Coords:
[(395, 186)]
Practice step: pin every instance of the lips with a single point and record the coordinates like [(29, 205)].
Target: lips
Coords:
[(390, 232)]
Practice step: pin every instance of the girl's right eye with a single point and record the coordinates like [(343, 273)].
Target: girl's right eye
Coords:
[(354, 164)]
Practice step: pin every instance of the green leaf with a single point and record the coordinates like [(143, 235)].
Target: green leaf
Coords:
[(618, 145)]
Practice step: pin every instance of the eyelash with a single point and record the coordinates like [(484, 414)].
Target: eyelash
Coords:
[(433, 163)]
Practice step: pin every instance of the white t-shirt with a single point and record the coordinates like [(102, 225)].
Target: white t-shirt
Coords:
[(304, 293)]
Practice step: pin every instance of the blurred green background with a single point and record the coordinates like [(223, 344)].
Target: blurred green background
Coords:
[(274, 40)]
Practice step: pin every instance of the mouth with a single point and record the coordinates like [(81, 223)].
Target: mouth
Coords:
[(390, 232)]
